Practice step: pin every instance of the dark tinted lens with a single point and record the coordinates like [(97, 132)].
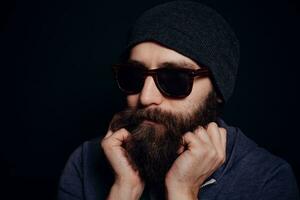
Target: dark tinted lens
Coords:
[(130, 79), (174, 83)]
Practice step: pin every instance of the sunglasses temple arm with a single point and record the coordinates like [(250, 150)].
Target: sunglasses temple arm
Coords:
[(202, 72)]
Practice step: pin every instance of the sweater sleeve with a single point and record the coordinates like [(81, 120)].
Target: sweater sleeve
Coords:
[(70, 184), (281, 184)]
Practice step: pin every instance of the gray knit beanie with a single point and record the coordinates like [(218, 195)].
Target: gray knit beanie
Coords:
[(196, 31)]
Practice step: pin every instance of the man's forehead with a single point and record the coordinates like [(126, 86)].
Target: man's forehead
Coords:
[(154, 55)]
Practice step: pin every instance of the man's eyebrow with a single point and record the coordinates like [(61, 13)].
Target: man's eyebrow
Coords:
[(180, 64)]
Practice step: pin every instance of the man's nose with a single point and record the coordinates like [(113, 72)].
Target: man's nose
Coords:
[(150, 95)]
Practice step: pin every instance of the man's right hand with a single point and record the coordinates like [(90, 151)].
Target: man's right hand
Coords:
[(128, 184)]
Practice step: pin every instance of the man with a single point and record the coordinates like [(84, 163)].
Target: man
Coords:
[(177, 71)]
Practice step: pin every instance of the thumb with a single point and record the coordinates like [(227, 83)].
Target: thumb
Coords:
[(118, 137), (115, 139)]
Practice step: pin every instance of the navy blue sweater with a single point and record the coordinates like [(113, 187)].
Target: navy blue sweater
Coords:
[(249, 173)]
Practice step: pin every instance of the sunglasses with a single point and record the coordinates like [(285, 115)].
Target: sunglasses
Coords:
[(173, 82)]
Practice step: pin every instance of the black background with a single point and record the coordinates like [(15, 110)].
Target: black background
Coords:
[(57, 88)]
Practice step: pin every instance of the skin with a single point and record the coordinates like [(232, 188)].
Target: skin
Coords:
[(206, 147)]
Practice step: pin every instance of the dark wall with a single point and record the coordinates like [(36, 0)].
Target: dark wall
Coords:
[(58, 89)]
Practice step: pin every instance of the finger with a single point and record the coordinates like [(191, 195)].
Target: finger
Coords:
[(197, 139), (214, 133), (191, 140), (117, 138), (201, 133), (200, 145), (120, 135)]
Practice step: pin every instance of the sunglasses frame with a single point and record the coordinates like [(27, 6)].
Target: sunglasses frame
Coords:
[(192, 73)]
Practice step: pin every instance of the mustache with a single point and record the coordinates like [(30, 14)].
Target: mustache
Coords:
[(130, 118)]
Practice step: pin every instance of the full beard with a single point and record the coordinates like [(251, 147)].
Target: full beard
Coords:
[(156, 136)]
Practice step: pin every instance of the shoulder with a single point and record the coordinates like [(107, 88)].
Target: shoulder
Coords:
[(272, 174), (87, 172), (259, 172), (258, 160)]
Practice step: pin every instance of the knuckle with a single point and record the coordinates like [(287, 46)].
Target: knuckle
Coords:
[(122, 130), (212, 128), (103, 143), (223, 130), (212, 125), (222, 158), (197, 130), (189, 135), (121, 133)]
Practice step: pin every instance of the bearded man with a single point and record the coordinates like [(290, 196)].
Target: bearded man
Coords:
[(178, 70)]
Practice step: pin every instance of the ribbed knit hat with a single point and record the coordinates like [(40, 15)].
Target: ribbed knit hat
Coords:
[(196, 31)]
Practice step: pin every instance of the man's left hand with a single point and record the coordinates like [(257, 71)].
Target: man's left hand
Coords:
[(204, 151)]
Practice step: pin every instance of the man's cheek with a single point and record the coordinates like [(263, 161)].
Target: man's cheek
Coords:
[(132, 101)]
